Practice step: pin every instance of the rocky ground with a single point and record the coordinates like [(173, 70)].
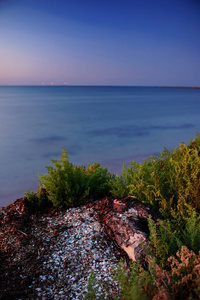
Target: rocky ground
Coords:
[(50, 254)]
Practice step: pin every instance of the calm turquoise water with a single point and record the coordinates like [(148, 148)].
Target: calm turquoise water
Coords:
[(109, 125)]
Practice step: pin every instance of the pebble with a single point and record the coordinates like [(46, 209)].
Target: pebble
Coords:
[(77, 250)]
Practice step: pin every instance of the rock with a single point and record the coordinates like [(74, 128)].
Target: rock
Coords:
[(44, 252), (126, 222)]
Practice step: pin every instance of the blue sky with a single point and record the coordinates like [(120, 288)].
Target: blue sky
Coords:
[(100, 42)]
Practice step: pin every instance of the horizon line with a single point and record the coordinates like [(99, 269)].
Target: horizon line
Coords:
[(98, 85)]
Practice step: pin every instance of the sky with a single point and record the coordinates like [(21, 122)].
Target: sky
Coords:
[(84, 42)]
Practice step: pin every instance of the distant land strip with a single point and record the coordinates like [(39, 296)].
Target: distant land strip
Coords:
[(179, 87)]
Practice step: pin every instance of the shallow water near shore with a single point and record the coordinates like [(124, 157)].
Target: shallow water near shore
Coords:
[(109, 125)]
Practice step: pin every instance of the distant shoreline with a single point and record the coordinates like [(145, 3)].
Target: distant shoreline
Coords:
[(179, 87), (134, 86)]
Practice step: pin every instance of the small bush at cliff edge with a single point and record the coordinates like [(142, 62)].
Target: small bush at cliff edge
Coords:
[(37, 200), (70, 185)]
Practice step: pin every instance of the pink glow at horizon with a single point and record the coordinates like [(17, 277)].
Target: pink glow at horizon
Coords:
[(85, 43)]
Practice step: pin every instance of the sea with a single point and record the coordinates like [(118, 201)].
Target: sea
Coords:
[(111, 125)]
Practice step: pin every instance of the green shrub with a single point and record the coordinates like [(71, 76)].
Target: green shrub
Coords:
[(119, 184), (37, 200), (137, 284), (180, 281), (70, 185), (169, 183), (163, 241), (191, 234), (99, 181), (65, 183)]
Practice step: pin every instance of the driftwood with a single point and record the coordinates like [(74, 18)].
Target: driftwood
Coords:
[(126, 222)]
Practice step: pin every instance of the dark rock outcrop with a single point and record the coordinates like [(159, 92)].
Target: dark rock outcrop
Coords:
[(126, 222)]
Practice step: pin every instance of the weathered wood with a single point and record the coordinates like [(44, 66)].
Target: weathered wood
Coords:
[(125, 221)]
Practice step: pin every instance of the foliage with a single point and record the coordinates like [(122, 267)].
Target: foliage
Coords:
[(191, 233), (99, 181), (163, 240), (70, 185), (37, 200), (93, 289), (137, 284), (169, 183), (184, 279), (119, 184), (180, 281), (65, 183)]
